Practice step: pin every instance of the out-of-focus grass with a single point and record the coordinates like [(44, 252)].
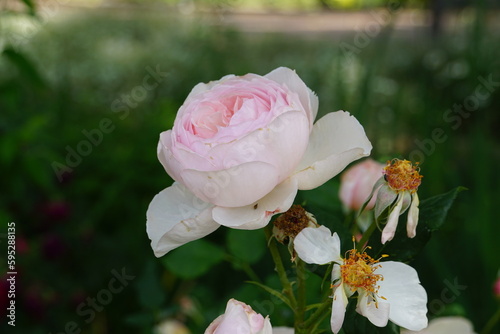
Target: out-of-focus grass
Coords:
[(79, 230)]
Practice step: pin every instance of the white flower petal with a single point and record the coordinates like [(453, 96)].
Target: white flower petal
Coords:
[(411, 225), (258, 214), (337, 139), (317, 245), (392, 222), (233, 187), (289, 78), (385, 197), (446, 325), (268, 329), (402, 290), (339, 305), (175, 217), (283, 330), (377, 313)]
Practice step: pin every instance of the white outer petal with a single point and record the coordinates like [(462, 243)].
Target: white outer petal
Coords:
[(392, 222), (175, 217), (318, 245), (337, 139), (283, 330), (446, 325), (411, 225), (268, 329), (377, 313), (258, 214), (402, 290), (339, 305)]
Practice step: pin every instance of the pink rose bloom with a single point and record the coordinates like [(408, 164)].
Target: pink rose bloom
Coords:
[(239, 151), (357, 182), (496, 288), (239, 318)]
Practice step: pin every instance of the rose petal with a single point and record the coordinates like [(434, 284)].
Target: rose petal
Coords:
[(175, 217), (307, 97), (377, 313), (392, 222), (283, 330), (258, 214), (411, 225), (339, 305), (234, 187), (337, 139), (402, 290), (318, 245)]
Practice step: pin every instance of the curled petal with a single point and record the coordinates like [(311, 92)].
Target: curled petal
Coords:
[(318, 245), (258, 214), (175, 217), (392, 222), (411, 226), (385, 197), (402, 290), (337, 139)]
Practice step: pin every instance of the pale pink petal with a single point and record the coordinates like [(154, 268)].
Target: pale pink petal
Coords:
[(377, 313), (234, 187), (318, 245), (411, 225), (337, 139), (402, 290), (258, 214), (339, 305), (289, 78), (392, 222), (175, 217)]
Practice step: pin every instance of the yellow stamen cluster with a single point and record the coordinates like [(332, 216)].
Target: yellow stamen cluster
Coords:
[(358, 271), (401, 175)]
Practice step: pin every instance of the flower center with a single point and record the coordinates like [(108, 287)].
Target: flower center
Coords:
[(290, 223), (401, 175), (358, 271)]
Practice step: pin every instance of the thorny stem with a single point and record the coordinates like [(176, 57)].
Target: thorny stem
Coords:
[(280, 269)]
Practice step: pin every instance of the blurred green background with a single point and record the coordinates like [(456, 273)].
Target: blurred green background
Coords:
[(408, 70)]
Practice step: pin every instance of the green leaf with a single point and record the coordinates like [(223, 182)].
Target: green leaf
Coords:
[(193, 259), (26, 68), (433, 212), (248, 246), (273, 292), (149, 289)]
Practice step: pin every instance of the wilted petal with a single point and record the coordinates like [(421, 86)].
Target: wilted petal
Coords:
[(318, 245), (175, 217), (411, 225), (339, 305), (385, 197), (402, 290), (392, 222), (337, 139), (258, 214), (377, 313)]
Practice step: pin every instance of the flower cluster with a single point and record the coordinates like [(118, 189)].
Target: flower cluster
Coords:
[(239, 151)]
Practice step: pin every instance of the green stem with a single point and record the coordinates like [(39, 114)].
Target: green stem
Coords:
[(366, 236), (280, 269), (318, 314), (491, 323), (301, 295)]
